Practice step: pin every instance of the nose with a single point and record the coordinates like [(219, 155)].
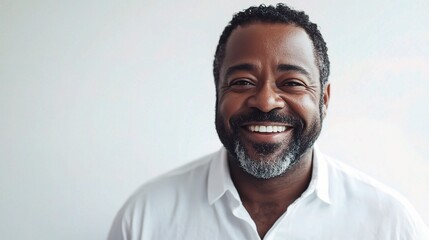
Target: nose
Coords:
[(266, 98)]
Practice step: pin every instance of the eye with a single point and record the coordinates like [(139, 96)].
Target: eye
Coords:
[(241, 82), (292, 83)]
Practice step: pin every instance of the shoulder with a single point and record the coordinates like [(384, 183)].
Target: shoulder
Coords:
[(163, 201), (178, 182), (354, 182), (372, 201), (351, 183)]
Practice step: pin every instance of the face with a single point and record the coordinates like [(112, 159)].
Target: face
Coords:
[(270, 104)]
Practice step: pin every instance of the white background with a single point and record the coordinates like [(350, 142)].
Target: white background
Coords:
[(97, 97)]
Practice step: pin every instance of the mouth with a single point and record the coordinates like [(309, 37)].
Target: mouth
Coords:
[(267, 128), (266, 132)]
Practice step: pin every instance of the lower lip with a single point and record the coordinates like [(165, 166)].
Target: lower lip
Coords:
[(266, 136)]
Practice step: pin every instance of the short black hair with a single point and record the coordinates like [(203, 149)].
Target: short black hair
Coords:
[(275, 14)]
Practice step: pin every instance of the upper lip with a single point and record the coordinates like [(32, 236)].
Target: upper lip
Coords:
[(266, 124)]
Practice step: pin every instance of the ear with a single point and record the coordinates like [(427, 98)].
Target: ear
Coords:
[(326, 96)]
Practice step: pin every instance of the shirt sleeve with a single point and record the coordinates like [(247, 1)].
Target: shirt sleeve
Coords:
[(412, 226), (119, 228)]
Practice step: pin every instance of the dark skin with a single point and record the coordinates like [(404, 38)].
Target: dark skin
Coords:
[(270, 66)]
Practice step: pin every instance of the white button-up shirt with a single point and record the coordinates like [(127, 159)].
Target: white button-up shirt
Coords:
[(200, 201)]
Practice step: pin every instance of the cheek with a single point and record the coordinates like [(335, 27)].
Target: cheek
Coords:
[(228, 106), (305, 106)]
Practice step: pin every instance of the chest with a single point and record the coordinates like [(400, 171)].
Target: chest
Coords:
[(264, 216)]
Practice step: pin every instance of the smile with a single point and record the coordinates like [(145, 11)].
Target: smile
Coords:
[(266, 129)]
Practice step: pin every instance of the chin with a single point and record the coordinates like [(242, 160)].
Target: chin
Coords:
[(265, 164)]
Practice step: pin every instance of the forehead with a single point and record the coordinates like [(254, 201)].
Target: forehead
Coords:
[(269, 44)]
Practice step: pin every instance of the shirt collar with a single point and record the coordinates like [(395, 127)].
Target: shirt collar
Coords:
[(219, 179), (320, 176)]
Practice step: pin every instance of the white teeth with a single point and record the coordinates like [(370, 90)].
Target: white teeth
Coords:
[(261, 128)]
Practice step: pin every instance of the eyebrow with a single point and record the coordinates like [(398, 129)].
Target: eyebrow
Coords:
[(295, 68), (280, 67), (239, 67)]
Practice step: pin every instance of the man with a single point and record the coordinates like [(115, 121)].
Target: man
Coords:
[(269, 181)]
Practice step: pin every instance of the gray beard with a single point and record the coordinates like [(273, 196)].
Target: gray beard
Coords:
[(264, 168)]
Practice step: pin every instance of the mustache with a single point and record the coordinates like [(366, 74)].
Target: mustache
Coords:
[(256, 115)]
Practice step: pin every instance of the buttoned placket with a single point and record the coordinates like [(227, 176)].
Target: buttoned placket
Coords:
[(240, 212), (281, 228)]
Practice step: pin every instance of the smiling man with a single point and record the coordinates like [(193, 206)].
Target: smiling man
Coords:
[(269, 181)]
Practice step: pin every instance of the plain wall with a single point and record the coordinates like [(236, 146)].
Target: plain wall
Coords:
[(97, 97)]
